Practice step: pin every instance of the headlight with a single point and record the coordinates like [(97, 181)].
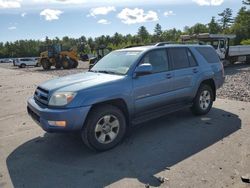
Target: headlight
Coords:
[(61, 98)]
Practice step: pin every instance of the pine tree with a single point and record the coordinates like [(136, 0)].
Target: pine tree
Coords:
[(226, 18), (213, 26)]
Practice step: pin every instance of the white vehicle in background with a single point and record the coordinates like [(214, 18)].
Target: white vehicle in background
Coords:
[(6, 60), (228, 54), (26, 61)]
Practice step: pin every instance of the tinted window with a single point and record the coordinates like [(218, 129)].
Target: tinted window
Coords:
[(191, 59), (179, 58), (209, 54), (158, 59)]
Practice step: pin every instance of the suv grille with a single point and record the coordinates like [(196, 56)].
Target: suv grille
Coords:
[(41, 95)]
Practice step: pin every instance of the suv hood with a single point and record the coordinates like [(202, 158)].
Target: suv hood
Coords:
[(79, 81)]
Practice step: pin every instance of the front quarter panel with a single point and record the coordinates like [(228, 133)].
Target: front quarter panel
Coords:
[(120, 89)]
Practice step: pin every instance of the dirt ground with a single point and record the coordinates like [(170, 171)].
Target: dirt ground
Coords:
[(208, 151)]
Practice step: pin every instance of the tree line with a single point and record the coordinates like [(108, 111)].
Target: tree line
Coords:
[(225, 23)]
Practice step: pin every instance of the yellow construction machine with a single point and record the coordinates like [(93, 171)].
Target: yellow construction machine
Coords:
[(53, 55)]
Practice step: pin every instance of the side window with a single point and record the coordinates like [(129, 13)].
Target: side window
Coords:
[(191, 59), (209, 54), (179, 58), (158, 59)]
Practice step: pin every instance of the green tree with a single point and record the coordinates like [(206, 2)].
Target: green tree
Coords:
[(158, 30), (241, 26), (198, 28), (226, 19), (143, 34), (157, 33), (246, 2), (213, 26), (171, 35)]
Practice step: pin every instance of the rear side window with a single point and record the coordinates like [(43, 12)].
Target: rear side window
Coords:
[(179, 58), (209, 54), (158, 59), (191, 59)]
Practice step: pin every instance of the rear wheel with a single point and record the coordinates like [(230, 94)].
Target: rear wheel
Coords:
[(22, 65), (66, 64), (75, 64), (203, 100), (58, 65), (104, 128), (46, 64)]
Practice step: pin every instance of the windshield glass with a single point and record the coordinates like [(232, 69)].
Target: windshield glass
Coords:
[(117, 62)]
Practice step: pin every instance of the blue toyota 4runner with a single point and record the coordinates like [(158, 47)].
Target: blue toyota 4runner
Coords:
[(127, 87)]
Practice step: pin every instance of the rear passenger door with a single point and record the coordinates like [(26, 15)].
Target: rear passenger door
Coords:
[(185, 70), (150, 91)]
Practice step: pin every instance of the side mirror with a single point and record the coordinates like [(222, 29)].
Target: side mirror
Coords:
[(143, 69)]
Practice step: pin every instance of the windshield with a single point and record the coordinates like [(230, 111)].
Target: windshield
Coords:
[(117, 62)]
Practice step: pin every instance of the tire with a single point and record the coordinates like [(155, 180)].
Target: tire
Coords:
[(46, 64), (58, 64), (66, 64), (22, 65), (102, 122), (203, 100), (75, 64)]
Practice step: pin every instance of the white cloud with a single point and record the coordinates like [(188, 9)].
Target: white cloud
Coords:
[(10, 3), (12, 28), (209, 2), (103, 21), (133, 16), (51, 14), (169, 13), (101, 11), (23, 14)]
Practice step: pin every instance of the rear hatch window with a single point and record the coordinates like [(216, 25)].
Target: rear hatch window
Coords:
[(209, 54)]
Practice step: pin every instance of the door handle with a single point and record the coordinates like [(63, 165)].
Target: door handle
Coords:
[(168, 76), (195, 70)]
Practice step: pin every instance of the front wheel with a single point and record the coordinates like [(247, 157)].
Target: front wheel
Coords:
[(66, 63), (46, 64), (75, 63), (105, 128), (203, 100)]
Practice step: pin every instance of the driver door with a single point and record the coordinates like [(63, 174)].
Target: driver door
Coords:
[(150, 91)]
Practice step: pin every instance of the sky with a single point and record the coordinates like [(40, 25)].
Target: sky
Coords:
[(36, 19)]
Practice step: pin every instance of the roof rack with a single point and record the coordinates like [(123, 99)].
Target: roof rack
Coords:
[(132, 46), (162, 43)]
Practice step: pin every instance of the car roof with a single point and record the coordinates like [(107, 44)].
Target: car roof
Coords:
[(145, 48)]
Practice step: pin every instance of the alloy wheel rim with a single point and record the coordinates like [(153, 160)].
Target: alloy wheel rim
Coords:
[(107, 129), (205, 99)]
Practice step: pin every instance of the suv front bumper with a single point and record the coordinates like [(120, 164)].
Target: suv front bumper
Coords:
[(74, 117)]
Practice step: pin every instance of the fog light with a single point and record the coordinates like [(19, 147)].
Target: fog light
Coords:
[(57, 123)]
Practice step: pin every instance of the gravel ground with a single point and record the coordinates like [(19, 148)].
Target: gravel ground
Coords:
[(236, 86), (83, 66), (237, 83)]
